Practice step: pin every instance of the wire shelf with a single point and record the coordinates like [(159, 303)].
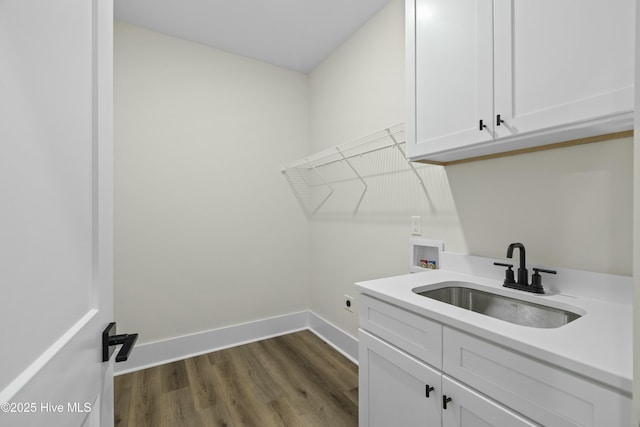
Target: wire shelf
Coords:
[(311, 180)]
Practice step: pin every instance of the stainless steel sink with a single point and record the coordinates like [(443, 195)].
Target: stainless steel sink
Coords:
[(501, 307)]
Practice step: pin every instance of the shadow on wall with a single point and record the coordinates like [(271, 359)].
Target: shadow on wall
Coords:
[(571, 207)]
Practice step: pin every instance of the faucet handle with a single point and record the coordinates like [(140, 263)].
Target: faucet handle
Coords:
[(508, 275), (542, 270), (536, 279)]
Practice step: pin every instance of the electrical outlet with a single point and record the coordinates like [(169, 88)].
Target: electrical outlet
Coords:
[(416, 225), (348, 303)]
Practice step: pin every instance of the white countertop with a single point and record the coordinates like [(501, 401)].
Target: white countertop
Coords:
[(598, 345)]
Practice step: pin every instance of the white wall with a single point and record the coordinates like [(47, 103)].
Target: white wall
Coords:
[(207, 233), (570, 207)]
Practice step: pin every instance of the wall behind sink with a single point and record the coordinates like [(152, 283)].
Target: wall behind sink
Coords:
[(571, 207)]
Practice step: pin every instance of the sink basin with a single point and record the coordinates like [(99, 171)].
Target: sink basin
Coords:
[(501, 307)]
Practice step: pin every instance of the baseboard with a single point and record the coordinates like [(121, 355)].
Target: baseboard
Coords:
[(334, 336), (160, 352), (157, 353)]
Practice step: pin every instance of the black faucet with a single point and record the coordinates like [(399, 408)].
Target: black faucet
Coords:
[(523, 275)]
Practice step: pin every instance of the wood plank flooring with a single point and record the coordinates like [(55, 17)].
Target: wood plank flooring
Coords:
[(291, 380)]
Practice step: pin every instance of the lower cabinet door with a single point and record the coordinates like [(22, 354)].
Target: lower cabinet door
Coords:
[(396, 389), (465, 407)]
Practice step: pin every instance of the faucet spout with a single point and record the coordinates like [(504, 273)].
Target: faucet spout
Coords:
[(523, 274)]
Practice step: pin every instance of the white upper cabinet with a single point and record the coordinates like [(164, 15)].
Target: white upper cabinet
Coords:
[(454, 72), (562, 61), (534, 72)]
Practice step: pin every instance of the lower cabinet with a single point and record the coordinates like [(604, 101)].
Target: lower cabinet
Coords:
[(418, 372), (468, 408), (542, 392), (398, 390)]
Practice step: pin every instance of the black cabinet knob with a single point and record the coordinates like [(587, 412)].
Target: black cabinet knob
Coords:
[(427, 390), (445, 400)]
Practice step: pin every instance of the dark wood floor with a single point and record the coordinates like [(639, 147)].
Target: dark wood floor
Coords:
[(292, 380)]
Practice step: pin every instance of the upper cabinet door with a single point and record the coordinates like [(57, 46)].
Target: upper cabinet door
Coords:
[(452, 73), (561, 62)]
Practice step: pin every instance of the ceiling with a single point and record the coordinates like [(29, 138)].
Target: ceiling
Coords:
[(294, 34)]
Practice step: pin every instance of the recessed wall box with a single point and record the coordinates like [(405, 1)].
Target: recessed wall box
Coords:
[(424, 254)]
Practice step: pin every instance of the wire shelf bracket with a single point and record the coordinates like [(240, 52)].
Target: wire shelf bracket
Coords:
[(364, 190), (303, 197)]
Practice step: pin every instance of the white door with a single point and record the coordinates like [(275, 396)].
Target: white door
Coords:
[(562, 61), (466, 408), (395, 389), (453, 74), (55, 211)]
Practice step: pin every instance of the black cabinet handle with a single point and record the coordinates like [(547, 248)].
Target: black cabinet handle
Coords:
[(110, 339), (427, 390), (445, 400), (481, 125), (499, 121)]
